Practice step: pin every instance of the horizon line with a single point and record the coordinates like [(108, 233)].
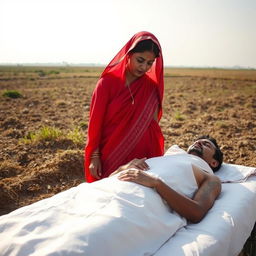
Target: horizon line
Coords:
[(67, 64)]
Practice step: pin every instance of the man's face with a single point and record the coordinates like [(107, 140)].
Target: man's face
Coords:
[(203, 148)]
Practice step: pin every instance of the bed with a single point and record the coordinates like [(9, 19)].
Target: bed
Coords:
[(223, 231), (228, 225)]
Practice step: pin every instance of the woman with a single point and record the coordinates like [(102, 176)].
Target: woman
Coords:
[(126, 108)]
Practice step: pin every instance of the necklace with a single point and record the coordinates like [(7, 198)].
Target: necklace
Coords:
[(131, 94)]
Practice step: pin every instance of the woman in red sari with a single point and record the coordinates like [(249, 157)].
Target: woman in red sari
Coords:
[(126, 108)]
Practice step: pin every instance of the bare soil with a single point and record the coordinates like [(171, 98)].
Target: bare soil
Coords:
[(220, 103)]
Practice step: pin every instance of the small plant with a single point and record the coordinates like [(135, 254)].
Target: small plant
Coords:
[(221, 125), (83, 125), (46, 133), (40, 72), (53, 72), (53, 134), (76, 136), (179, 116), (12, 94), (43, 73)]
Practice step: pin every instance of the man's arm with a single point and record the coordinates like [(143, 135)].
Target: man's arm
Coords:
[(209, 187), (196, 208)]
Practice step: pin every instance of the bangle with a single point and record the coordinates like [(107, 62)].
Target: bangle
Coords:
[(95, 155)]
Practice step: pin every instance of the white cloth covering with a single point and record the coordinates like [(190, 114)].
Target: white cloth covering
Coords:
[(108, 217)]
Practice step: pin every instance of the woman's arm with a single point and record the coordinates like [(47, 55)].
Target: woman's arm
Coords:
[(95, 164), (156, 114), (98, 108)]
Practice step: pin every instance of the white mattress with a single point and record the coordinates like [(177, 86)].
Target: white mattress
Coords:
[(228, 224)]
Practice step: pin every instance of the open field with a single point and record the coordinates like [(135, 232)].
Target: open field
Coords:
[(43, 130)]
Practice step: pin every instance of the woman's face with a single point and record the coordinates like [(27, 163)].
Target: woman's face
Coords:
[(140, 62)]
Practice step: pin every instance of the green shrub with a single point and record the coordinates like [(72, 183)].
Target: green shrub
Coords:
[(49, 133), (83, 125), (54, 72), (53, 134), (40, 72), (179, 116), (76, 136), (12, 94), (46, 133)]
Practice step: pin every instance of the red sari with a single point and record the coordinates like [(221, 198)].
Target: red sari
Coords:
[(121, 130)]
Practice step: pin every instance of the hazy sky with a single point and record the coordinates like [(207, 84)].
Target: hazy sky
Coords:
[(191, 32)]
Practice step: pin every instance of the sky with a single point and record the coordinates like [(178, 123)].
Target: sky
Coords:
[(192, 33)]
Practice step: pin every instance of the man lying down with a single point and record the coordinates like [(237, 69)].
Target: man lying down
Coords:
[(133, 212)]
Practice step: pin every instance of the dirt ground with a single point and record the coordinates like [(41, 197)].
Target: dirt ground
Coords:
[(197, 101)]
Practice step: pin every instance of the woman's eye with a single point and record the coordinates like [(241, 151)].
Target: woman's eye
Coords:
[(140, 61)]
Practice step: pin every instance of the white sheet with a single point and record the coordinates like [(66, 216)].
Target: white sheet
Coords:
[(228, 224), (108, 217), (223, 231), (235, 173)]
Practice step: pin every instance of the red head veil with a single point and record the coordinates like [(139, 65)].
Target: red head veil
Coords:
[(118, 63)]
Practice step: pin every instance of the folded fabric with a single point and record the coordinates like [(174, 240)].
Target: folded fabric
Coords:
[(235, 173)]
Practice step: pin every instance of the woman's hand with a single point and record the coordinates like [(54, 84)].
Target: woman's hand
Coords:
[(139, 177), (95, 167), (138, 164)]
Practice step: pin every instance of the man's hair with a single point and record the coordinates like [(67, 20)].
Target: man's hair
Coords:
[(146, 45), (218, 153)]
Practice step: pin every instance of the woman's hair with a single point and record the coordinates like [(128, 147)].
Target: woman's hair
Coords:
[(146, 45)]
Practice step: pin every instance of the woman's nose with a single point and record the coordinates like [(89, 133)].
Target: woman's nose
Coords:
[(144, 67)]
